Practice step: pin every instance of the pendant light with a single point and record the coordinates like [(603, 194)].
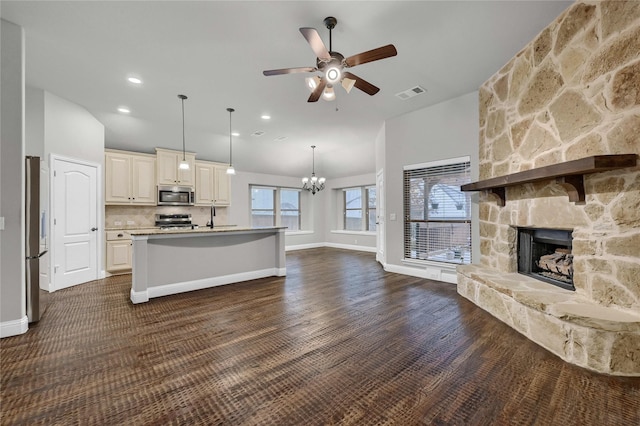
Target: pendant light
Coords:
[(184, 165), (230, 169), (314, 184)]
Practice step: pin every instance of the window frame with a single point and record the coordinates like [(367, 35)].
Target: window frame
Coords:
[(364, 209), (277, 208)]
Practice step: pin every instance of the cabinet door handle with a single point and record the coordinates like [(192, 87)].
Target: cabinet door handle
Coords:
[(94, 229), (120, 235)]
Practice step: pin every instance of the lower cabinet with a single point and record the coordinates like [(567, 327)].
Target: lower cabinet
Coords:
[(118, 252)]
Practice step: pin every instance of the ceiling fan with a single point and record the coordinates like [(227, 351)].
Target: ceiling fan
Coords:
[(333, 65)]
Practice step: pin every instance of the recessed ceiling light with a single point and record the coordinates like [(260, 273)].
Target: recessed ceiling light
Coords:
[(134, 80), (266, 117), (124, 110), (235, 134)]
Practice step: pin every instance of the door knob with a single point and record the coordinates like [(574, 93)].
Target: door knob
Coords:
[(94, 229)]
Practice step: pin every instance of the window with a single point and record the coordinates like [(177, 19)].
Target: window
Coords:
[(290, 209), (272, 206), (359, 208), (353, 209), (371, 208), (437, 214), (263, 201)]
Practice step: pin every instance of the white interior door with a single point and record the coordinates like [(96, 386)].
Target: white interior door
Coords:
[(75, 223), (380, 223)]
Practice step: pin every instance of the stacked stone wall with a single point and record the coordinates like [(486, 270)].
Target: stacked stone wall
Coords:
[(573, 92)]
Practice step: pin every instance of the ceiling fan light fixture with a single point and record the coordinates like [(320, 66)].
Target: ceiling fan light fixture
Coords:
[(329, 94), (333, 74), (312, 82), (348, 83)]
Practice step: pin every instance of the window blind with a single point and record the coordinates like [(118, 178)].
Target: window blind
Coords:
[(437, 215)]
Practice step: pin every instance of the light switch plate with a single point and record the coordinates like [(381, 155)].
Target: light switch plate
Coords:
[(1, 223), (392, 216)]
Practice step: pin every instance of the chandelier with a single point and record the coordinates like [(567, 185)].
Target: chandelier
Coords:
[(314, 184)]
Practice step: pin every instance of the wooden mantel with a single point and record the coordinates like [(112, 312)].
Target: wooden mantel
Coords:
[(570, 175)]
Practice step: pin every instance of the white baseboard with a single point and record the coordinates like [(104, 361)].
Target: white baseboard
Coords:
[(139, 296), (168, 289), (352, 247), (332, 245), (14, 327), (304, 246), (429, 272)]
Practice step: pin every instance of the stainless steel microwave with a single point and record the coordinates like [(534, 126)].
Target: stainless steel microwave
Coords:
[(175, 196)]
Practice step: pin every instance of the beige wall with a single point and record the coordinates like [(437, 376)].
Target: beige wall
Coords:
[(573, 92)]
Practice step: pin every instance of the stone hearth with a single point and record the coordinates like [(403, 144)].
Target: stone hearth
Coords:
[(573, 92)]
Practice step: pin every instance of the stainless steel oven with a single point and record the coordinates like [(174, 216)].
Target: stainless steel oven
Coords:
[(175, 196)]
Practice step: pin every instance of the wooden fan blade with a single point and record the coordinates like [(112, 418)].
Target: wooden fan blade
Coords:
[(363, 85), (372, 55), (314, 40), (317, 91), (289, 71)]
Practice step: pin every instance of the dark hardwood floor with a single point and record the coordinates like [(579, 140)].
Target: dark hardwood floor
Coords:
[(338, 341)]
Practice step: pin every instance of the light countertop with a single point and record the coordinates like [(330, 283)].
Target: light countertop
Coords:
[(201, 230)]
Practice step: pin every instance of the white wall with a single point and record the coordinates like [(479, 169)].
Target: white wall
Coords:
[(71, 131), (332, 210), (34, 122), (445, 130), (13, 319), (320, 211), (239, 211)]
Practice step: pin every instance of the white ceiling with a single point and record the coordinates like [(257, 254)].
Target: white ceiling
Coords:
[(215, 52)]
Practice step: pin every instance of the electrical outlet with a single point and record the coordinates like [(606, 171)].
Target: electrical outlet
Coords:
[(392, 216), (2, 223), (117, 222), (356, 242), (130, 222)]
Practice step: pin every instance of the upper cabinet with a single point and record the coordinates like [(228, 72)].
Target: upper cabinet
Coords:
[(168, 171), (212, 184), (130, 178), (222, 186)]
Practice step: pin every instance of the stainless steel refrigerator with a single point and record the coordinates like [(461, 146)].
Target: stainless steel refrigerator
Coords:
[(36, 236)]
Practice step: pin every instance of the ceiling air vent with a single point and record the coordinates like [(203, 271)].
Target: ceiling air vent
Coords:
[(410, 93), (257, 133)]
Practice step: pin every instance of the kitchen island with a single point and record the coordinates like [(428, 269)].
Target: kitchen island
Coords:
[(174, 261)]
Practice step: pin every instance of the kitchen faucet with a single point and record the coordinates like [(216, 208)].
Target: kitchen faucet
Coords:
[(212, 214)]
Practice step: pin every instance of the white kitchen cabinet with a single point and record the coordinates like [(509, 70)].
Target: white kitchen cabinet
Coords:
[(129, 178), (119, 252), (168, 170), (222, 187), (212, 184)]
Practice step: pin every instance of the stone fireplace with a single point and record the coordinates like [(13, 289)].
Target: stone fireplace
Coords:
[(573, 92)]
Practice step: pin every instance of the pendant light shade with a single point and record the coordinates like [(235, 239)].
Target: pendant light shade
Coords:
[(230, 169), (184, 165)]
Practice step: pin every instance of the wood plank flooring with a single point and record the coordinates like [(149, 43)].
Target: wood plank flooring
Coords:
[(337, 341)]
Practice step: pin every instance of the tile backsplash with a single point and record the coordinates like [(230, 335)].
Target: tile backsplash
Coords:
[(144, 216)]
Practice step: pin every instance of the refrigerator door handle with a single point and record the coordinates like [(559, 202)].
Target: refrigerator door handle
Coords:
[(38, 256)]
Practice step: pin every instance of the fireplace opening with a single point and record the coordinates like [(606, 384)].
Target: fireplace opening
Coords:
[(545, 254)]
